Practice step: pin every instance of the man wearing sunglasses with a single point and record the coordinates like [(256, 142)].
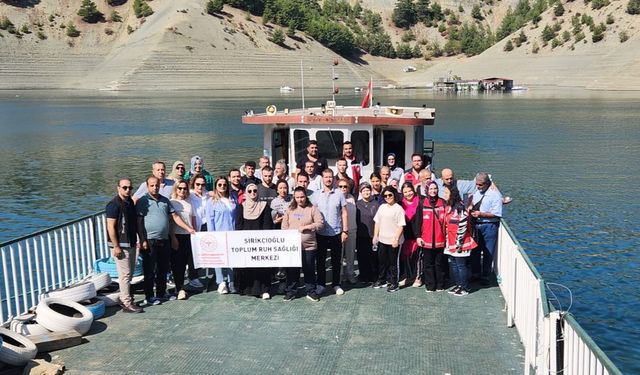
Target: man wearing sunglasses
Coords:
[(122, 231)]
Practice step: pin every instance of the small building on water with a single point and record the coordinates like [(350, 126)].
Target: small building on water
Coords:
[(497, 84)]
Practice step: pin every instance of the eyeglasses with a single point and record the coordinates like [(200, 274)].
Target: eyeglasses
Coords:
[(388, 195), (252, 191), (126, 187), (343, 186), (221, 185), (180, 167), (199, 184), (183, 188)]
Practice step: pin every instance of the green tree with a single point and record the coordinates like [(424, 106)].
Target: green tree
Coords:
[(633, 7), (610, 19), (508, 46), (436, 12), (566, 36), (476, 12), (558, 10), (423, 12), (332, 35), (115, 16), (89, 12), (404, 15), (623, 36), (522, 38), (214, 6), (72, 31), (460, 9), (548, 33), (597, 4), (141, 8), (598, 33), (277, 37), (404, 51)]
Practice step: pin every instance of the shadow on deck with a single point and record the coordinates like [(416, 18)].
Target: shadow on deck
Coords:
[(365, 331)]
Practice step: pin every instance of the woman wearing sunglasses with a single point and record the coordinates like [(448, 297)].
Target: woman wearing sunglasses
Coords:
[(253, 214), (177, 172), (222, 217), (387, 232), (180, 238), (349, 246), (200, 205)]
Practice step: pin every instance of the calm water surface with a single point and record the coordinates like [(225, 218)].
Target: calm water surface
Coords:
[(570, 160)]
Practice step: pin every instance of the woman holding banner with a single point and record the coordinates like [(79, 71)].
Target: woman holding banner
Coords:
[(222, 213), (307, 219), (253, 214)]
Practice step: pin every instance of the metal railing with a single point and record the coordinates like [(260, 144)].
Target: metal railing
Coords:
[(553, 341), (49, 259)]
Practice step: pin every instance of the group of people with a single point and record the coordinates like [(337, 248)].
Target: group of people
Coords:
[(404, 227)]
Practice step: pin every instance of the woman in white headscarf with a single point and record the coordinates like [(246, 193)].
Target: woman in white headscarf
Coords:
[(197, 167), (254, 214)]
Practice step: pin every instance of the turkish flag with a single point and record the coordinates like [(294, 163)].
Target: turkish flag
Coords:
[(366, 101)]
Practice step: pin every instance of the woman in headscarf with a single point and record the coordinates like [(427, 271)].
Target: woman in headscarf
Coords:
[(411, 255), (197, 167), (430, 230), (459, 240), (396, 171), (177, 171), (307, 219), (254, 214), (222, 217)]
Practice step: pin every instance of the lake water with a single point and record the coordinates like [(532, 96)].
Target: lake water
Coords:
[(570, 159)]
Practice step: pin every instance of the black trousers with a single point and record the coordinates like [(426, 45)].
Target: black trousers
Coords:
[(324, 244), (388, 262), (435, 263), (180, 258), (367, 260), (155, 265)]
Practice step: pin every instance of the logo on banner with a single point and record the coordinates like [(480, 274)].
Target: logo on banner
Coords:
[(208, 243)]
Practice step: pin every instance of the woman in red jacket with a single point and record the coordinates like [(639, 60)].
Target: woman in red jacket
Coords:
[(430, 230), (459, 241)]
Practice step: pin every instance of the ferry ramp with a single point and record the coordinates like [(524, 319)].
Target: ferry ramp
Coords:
[(365, 331)]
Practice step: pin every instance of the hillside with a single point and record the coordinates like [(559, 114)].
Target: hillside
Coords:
[(180, 46)]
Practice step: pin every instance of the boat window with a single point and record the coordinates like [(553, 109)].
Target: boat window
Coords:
[(300, 143), (394, 141), (330, 144), (360, 141)]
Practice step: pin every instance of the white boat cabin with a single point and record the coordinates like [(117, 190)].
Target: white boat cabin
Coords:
[(374, 132)]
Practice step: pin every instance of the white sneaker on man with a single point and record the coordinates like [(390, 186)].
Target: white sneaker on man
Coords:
[(339, 291), (182, 295), (266, 296), (222, 288)]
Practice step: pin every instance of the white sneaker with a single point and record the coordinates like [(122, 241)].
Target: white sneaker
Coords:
[(266, 296), (338, 290), (402, 282), (195, 283), (222, 288), (182, 295)]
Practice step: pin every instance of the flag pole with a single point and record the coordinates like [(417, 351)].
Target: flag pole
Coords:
[(302, 83)]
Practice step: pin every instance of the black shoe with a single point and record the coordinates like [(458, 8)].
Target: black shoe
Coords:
[(485, 281), (393, 288), (280, 275), (379, 285), (313, 297), (289, 297)]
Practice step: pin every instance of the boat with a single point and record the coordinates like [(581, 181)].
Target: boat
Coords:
[(518, 329), (286, 89), (519, 88), (409, 69), (358, 89)]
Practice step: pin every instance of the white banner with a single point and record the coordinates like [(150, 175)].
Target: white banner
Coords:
[(247, 249)]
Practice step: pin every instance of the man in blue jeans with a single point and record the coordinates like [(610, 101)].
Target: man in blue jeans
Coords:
[(486, 210)]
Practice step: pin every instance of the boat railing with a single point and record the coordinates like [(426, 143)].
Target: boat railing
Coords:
[(553, 340), (53, 258)]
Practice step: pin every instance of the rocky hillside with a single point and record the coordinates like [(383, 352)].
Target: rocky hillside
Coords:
[(46, 44)]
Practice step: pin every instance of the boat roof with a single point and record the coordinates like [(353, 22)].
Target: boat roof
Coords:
[(345, 115)]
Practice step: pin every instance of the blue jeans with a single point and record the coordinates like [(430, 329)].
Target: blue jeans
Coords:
[(224, 273), (460, 271), (487, 240)]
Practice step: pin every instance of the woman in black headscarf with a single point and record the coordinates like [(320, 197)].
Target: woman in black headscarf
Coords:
[(253, 214), (395, 171)]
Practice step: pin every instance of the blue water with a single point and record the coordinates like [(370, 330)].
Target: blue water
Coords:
[(570, 159)]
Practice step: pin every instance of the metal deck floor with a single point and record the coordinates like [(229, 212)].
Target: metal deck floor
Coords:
[(365, 331)]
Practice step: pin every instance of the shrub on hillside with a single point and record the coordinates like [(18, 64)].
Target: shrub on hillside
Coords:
[(72, 31), (597, 4), (522, 38), (633, 7), (623, 36), (476, 12), (548, 33), (141, 8), (508, 46), (610, 19), (598, 33), (115, 16), (41, 35), (6, 24), (404, 14), (89, 12), (116, 2), (404, 51), (277, 37), (408, 36), (558, 10), (566, 35), (535, 48), (215, 6)]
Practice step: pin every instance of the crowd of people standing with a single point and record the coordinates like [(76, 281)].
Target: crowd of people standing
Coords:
[(402, 227)]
